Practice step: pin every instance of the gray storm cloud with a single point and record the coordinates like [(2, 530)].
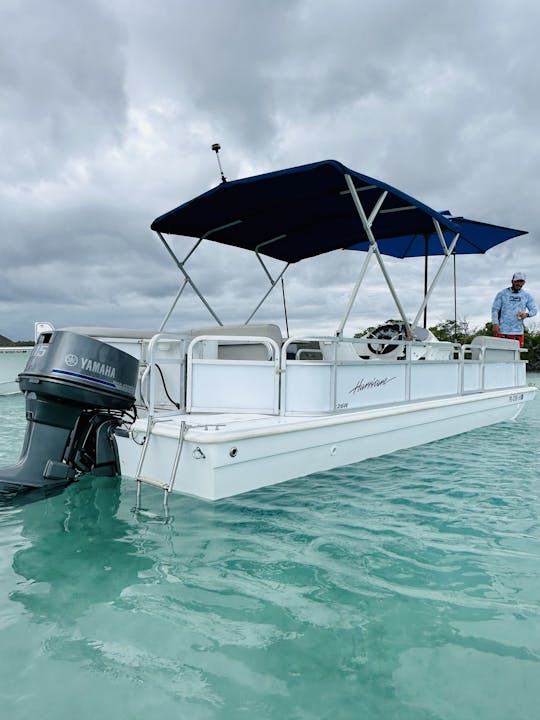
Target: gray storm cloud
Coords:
[(109, 111)]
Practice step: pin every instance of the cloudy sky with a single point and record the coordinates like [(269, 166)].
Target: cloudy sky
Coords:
[(110, 108)]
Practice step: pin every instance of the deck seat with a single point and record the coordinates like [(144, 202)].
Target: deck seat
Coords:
[(495, 349), (344, 351), (238, 350), (109, 332)]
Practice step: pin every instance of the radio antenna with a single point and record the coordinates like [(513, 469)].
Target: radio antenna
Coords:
[(216, 147)]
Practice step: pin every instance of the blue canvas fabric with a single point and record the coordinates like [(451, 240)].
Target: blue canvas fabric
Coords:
[(475, 237), (308, 210), (506, 305)]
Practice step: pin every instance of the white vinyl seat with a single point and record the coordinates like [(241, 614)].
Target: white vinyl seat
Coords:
[(238, 350), (495, 349), (343, 352)]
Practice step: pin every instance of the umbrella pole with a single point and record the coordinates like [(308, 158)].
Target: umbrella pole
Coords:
[(455, 301), (425, 276), (448, 251)]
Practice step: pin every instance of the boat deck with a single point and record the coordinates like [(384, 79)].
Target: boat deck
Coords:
[(221, 427), (216, 455)]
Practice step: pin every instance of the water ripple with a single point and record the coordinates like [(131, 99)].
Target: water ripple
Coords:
[(334, 595)]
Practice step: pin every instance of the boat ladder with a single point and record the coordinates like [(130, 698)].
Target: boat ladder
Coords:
[(140, 478)]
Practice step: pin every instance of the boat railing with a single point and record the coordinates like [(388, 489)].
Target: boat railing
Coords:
[(329, 374), (233, 373), (161, 384), (490, 363), (309, 375)]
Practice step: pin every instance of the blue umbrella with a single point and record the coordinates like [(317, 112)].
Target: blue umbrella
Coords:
[(475, 237)]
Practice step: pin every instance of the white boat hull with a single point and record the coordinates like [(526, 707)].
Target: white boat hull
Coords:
[(229, 455), (253, 408), (12, 361)]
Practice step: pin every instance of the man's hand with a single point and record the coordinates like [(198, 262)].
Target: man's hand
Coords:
[(496, 329)]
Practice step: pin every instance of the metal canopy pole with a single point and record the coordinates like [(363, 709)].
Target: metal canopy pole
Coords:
[(448, 250), (364, 267), (367, 227), (272, 286), (180, 266), (273, 282), (354, 293), (263, 244), (176, 299)]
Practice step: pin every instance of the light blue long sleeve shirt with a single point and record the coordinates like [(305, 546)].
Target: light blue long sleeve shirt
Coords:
[(504, 311)]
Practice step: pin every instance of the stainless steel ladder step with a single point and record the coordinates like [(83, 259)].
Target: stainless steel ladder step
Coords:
[(154, 483), (165, 486)]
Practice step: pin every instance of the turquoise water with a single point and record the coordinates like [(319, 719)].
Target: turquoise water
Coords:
[(407, 587)]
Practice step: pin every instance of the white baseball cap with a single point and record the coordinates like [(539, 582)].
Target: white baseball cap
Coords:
[(519, 276)]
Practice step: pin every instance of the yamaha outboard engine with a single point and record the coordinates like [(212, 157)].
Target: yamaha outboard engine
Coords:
[(77, 390)]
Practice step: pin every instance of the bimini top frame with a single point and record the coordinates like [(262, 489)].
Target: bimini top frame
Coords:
[(312, 209)]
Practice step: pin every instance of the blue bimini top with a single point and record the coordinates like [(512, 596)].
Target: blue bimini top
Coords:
[(308, 210)]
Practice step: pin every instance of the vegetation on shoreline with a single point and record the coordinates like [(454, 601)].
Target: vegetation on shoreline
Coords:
[(461, 332), (6, 342)]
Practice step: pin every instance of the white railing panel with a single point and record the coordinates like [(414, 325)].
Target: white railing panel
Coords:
[(245, 384), (232, 386), (498, 375), (370, 383), (307, 387), (472, 376), (434, 380), (161, 382)]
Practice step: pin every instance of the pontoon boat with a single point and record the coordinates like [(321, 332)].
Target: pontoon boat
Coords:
[(225, 409)]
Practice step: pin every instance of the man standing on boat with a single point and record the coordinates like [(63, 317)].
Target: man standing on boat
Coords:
[(510, 307)]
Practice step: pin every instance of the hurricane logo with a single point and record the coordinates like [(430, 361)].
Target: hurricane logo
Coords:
[(71, 360)]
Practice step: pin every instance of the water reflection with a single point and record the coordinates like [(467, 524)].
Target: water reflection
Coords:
[(17, 496), (79, 552), (389, 589)]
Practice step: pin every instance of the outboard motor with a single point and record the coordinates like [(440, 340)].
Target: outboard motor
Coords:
[(77, 390)]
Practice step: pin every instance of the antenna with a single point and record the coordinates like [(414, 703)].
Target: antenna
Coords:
[(216, 147)]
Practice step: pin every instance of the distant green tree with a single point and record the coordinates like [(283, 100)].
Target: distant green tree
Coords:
[(461, 332), (371, 328), (486, 330), (6, 342), (452, 331), (532, 343)]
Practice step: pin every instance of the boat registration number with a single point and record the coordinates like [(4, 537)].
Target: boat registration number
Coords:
[(516, 397)]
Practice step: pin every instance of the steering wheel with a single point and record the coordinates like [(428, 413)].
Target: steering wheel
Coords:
[(392, 331)]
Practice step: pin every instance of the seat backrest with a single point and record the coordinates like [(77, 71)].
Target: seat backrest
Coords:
[(495, 349), (345, 351), (263, 330), (108, 332), (236, 350)]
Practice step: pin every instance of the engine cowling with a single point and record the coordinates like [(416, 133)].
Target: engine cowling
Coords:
[(77, 390)]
